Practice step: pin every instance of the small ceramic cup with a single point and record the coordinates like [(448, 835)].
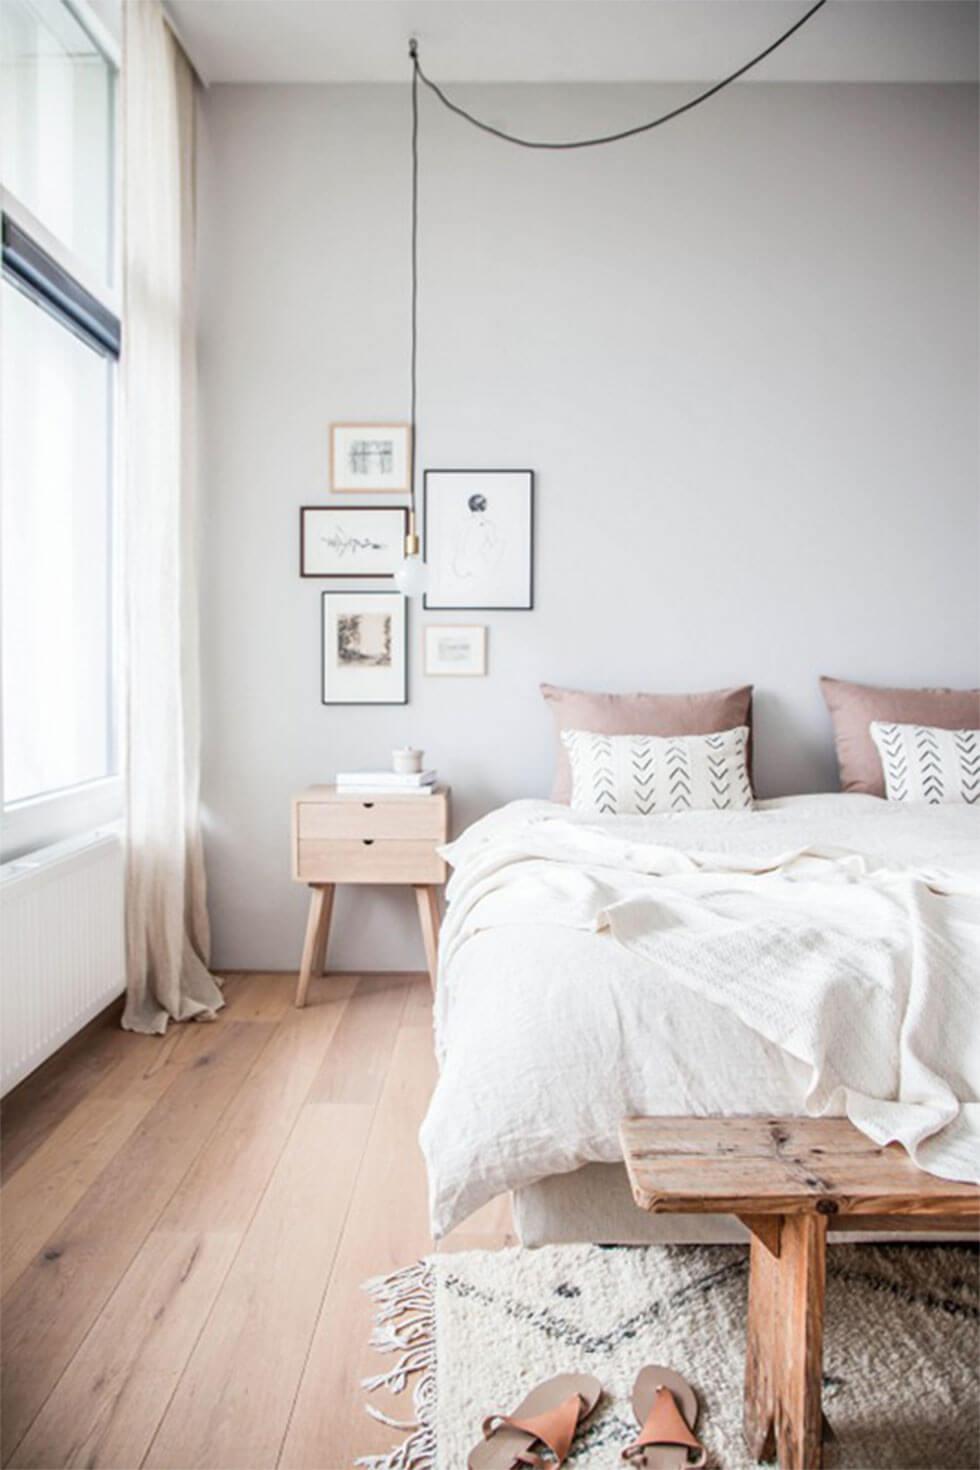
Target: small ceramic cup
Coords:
[(406, 761)]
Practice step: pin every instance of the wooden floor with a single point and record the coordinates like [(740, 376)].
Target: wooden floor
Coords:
[(187, 1221)]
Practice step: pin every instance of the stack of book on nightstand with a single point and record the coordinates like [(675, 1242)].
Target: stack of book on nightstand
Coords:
[(386, 783)]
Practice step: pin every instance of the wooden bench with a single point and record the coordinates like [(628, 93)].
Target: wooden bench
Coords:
[(789, 1180)]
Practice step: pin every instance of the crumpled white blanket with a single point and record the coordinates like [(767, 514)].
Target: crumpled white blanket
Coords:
[(861, 968)]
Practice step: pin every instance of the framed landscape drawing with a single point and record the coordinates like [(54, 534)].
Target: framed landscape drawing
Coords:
[(369, 457), (479, 538), (365, 648), (454, 650), (351, 540)]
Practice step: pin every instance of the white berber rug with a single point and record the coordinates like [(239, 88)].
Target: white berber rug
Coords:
[(473, 1332)]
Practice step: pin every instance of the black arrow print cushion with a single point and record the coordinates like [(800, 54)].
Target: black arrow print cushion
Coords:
[(644, 774), (922, 763)]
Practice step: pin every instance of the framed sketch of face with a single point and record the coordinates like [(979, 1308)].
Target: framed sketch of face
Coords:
[(365, 648), (450, 649), (479, 538), (371, 458)]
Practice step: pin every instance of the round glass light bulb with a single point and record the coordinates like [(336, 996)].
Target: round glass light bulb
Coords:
[(411, 576)]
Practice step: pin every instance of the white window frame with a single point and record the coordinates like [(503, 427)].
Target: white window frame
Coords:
[(39, 821)]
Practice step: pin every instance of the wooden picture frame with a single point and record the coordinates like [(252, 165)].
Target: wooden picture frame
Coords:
[(370, 459), (351, 541), (462, 654)]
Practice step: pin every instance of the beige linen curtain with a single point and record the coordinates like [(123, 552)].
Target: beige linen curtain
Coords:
[(166, 915)]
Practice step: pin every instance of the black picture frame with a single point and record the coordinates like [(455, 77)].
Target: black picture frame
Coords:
[(481, 606), (304, 510), (362, 703)]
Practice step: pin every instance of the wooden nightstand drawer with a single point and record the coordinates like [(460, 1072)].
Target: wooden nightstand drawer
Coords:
[(368, 860), (414, 817)]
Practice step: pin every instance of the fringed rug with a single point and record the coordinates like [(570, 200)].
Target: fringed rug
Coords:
[(473, 1332)]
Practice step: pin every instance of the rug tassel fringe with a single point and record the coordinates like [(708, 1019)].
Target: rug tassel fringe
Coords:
[(405, 1324)]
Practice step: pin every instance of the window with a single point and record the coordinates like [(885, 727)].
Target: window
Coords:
[(56, 123), (60, 343)]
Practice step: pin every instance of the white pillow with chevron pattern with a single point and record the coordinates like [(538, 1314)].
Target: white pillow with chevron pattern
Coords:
[(922, 763), (644, 774)]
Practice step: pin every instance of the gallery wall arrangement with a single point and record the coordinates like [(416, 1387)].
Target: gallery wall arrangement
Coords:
[(478, 555)]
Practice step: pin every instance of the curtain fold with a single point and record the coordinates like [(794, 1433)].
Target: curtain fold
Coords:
[(167, 933)]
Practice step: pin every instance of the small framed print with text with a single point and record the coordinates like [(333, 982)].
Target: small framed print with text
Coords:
[(479, 539), (370, 458), (451, 649), (365, 648)]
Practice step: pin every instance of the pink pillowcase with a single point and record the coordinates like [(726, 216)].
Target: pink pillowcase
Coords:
[(643, 714), (853, 707)]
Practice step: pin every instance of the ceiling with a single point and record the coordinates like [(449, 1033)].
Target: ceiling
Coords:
[(576, 40)]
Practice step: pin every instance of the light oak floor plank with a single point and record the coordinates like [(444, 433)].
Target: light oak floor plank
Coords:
[(38, 1197), (43, 1100), (355, 1067), (387, 1227), (51, 1306), (198, 1224), (235, 1394), (107, 1405)]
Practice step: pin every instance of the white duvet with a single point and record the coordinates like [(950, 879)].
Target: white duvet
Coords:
[(815, 954)]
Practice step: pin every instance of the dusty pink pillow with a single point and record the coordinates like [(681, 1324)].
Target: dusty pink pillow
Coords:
[(643, 714), (853, 707)]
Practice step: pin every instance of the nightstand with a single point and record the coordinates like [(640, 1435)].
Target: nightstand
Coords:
[(342, 837)]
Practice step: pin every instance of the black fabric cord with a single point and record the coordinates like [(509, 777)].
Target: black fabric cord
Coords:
[(417, 72), (419, 75), (415, 291)]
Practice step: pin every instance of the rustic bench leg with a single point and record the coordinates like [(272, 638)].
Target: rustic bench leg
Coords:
[(784, 1351), (763, 1351)]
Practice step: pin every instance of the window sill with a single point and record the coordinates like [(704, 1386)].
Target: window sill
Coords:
[(42, 821)]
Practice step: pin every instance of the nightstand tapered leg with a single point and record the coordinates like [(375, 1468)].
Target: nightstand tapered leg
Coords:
[(317, 935), (427, 896)]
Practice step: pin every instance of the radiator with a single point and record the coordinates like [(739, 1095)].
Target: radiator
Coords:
[(62, 947)]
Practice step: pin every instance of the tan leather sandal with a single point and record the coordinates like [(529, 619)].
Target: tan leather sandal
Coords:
[(548, 1417), (666, 1406)]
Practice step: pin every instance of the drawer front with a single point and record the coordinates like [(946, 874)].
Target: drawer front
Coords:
[(416, 817), (368, 860)]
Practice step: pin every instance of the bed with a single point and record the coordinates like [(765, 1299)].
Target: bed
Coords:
[(555, 1017)]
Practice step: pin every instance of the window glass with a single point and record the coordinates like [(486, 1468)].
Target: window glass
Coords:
[(56, 533), (56, 123)]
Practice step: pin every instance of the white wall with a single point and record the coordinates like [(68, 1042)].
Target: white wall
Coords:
[(740, 355)]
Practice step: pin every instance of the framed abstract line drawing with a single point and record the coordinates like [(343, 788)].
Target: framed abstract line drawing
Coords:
[(350, 540), (370, 458), (365, 648), (479, 539), (452, 650)]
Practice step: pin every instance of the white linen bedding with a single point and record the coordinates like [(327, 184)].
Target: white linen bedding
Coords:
[(816, 953)]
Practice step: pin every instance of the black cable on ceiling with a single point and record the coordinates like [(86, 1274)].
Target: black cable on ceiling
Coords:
[(656, 122)]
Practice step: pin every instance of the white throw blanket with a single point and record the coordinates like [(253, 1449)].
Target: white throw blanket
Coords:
[(860, 967)]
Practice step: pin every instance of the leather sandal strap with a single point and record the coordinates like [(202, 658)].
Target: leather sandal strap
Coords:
[(554, 1428), (665, 1425)]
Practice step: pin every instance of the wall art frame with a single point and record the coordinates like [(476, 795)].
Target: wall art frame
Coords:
[(454, 650), (370, 459), (363, 648), (351, 541), (479, 539)]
